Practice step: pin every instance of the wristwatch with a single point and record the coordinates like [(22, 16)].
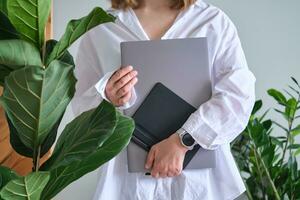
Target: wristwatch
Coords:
[(186, 139)]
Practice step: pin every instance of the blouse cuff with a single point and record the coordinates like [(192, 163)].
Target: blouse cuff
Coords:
[(101, 85), (201, 132)]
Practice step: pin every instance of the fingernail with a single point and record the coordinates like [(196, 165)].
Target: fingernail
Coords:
[(146, 166), (130, 67)]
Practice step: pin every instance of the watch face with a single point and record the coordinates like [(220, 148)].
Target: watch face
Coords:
[(188, 140)]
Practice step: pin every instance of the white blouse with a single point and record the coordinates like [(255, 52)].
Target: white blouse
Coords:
[(214, 125)]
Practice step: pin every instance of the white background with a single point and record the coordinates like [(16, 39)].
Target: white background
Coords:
[(270, 34)]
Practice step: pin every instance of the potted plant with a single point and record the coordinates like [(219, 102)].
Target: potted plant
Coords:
[(38, 81), (267, 161)]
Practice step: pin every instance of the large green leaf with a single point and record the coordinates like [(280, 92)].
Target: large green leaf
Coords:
[(66, 57), (3, 6), (29, 187), (3, 73), (7, 30), (34, 99), (83, 135), (16, 54), (21, 149), (6, 175), (29, 18), (77, 28), (63, 175)]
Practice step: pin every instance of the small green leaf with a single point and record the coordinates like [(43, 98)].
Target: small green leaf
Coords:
[(295, 131), (291, 107), (25, 188), (6, 175), (29, 18), (267, 124), (278, 96), (257, 107), (77, 28)]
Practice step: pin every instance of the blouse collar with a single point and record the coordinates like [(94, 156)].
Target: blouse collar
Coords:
[(131, 22)]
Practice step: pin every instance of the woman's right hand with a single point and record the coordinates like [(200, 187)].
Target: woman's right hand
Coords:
[(119, 86)]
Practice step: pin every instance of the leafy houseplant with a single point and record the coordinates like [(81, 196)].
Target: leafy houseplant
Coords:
[(38, 81), (267, 162)]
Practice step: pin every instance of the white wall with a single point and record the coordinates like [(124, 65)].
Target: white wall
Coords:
[(269, 31)]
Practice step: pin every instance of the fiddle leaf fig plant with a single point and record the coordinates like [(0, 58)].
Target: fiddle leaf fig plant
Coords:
[(39, 82), (268, 161)]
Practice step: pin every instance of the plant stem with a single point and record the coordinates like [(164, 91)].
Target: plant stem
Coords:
[(289, 139), (36, 159), (259, 172), (286, 143), (265, 169), (270, 179), (249, 195)]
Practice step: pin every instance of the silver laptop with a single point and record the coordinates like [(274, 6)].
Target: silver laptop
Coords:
[(183, 66)]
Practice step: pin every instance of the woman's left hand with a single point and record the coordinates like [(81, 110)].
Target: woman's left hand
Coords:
[(165, 159)]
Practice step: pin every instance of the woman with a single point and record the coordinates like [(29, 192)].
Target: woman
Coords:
[(213, 126)]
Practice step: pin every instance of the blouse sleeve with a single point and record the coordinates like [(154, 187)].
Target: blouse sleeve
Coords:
[(91, 81), (226, 114)]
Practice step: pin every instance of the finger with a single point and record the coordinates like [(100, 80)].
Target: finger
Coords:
[(125, 80), (127, 88), (177, 172), (124, 99), (120, 73), (162, 175), (156, 169), (150, 159), (155, 172), (171, 174)]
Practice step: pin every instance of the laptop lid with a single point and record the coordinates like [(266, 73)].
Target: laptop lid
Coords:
[(183, 66)]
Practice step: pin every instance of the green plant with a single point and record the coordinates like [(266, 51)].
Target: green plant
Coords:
[(38, 81), (267, 161)]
